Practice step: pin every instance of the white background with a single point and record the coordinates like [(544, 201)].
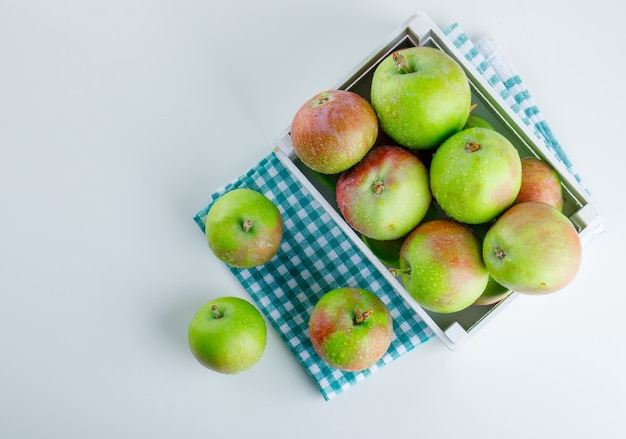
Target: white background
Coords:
[(119, 118)]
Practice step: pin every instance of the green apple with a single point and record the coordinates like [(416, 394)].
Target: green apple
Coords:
[(494, 293), (475, 120), (442, 267), (388, 251), (244, 228), (540, 182), (386, 194), (532, 248), (333, 130), (328, 180), (350, 328), (227, 335), (475, 175), (421, 96)]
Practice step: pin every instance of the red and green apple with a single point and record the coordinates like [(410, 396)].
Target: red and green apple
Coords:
[(442, 267), (532, 248), (350, 328), (333, 130), (244, 228), (540, 182), (386, 194)]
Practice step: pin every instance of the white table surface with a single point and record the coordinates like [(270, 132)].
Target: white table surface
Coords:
[(119, 118)]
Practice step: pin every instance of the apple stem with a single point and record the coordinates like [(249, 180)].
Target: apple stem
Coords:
[(397, 271), (361, 316), (216, 312), (400, 63), (247, 225), (473, 107)]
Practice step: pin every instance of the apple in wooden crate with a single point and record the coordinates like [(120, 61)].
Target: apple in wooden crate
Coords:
[(532, 248), (421, 96), (475, 175), (386, 194), (441, 266), (540, 182), (333, 131)]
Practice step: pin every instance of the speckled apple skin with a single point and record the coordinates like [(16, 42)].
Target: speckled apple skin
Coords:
[(341, 343), (540, 182), (226, 236), (400, 204), (475, 186), (447, 273), (422, 108), (333, 130), (541, 247)]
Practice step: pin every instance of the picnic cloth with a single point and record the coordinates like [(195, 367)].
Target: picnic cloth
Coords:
[(317, 256), (490, 61)]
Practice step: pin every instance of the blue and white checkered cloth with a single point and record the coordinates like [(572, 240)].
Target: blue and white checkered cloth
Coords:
[(316, 255), (490, 61)]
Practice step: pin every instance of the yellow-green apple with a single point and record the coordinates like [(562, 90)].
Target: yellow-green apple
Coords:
[(442, 267), (421, 96), (388, 251), (227, 335), (244, 228), (475, 175), (532, 248), (328, 180), (350, 328), (475, 120), (494, 293), (540, 182), (386, 194), (333, 130)]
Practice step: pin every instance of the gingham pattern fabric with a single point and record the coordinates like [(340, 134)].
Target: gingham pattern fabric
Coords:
[(315, 257), (489, 60)]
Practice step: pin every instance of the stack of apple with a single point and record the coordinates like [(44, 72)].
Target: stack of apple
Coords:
[(443, 199)]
